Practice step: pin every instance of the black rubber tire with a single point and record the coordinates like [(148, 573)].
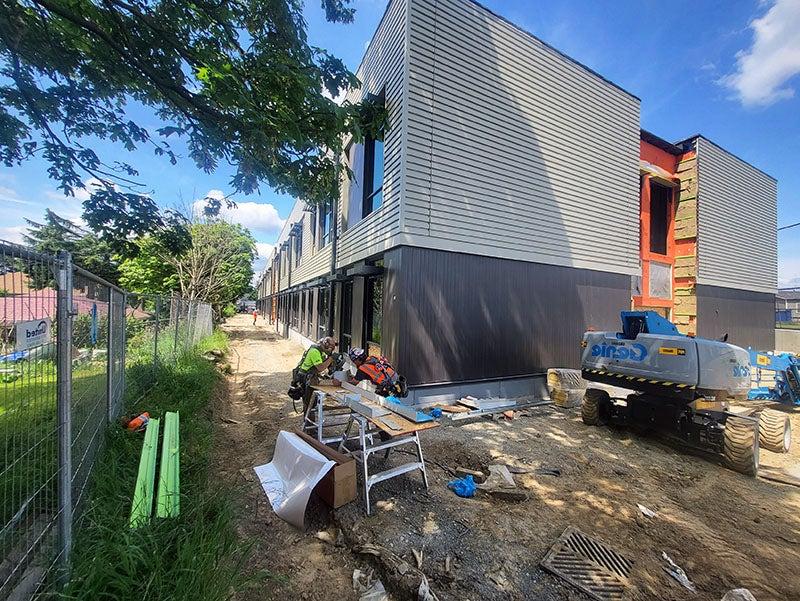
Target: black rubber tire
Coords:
[(741, 447), (590, 407), (774, 431)]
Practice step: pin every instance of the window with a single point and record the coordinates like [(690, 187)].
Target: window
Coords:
[(346, 321), (373, 314), (298, 246), (302, 327), (309, 313), (325, 221), (373, 171), (659, 217), (322, 312), (295, 318)]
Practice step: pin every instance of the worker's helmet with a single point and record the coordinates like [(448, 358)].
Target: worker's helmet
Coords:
[(357, 354), (327, 343)]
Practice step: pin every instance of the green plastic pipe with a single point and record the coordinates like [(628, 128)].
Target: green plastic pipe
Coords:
[(168, 504), (142, 506)]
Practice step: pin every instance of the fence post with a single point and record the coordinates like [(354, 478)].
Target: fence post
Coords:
[(110, 371), (175, 310), (124, 339), (64, 314), (155, 337)]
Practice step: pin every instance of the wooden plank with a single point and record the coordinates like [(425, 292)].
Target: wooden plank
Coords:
[(778, 475), (406, 426), (329, 389), (142, 505), (452, 408), (168, 504)]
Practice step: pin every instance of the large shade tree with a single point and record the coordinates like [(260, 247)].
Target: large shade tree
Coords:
[(55, 233), (217, 268), (237, 80)]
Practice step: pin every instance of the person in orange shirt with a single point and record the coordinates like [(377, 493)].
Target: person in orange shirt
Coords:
[(255, 316)]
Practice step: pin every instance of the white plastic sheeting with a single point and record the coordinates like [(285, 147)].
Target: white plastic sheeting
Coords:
[(289, 478)]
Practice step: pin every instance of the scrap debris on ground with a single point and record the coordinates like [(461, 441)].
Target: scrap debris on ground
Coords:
[(726, 531)]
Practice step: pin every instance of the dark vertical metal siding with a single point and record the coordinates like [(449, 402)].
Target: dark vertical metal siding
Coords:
[(464, 317), (314, 314), (393, 299), (747, 317), (358, 312)]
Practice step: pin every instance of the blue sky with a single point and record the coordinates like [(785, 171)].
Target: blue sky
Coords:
[(729, 70)]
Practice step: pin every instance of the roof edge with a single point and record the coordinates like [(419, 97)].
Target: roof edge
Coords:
[(658, 142), (554, 49), (725, 150)]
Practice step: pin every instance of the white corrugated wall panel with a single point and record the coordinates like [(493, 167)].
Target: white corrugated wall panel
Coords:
[(513, 149), (737, 222), (383, 65)]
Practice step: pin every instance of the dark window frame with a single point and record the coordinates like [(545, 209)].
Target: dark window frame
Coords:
[(369, 310), (370, 191), (322, 318), (325, 223), (346, 317), (298, 246), (302, 310), (660, 218)]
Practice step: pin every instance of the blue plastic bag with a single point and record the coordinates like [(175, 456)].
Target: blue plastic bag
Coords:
[(463, 487), (436, 412)]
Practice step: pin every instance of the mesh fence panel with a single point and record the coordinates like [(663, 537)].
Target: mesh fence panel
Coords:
[(73, 350), (29, 427), (116, 354), (89, 402)]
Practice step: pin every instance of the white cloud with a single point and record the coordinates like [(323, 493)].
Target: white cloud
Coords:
[(763, 71), (81, 194), (337, 99), (264, 249), (260, 217), (13, 233), (12, 196), (788, 272)]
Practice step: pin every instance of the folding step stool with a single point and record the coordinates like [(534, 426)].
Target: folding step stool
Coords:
[(367, 447)]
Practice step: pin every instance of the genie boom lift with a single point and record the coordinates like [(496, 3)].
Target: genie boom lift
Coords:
[(679, 386)]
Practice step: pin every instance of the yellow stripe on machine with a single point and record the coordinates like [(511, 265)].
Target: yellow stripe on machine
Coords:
[(671, 350), (762, 360)]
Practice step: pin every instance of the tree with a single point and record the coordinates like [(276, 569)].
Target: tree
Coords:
[(57, 233), (150, 271), (236, 80), (217, 268)]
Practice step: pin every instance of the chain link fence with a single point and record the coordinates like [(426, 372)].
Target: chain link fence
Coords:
[(73, 349)]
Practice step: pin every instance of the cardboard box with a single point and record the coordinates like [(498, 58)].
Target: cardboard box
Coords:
[(338, 486)]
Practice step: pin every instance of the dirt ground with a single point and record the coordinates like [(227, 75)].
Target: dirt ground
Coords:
[(724, 529)]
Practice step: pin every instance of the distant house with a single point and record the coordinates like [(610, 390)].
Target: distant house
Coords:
[(787, 305), (513, 203)]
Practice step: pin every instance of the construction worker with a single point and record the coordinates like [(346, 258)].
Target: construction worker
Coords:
[(379, 371), (255, 316), (317, 359)]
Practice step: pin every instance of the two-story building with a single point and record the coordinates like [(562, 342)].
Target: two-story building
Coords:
[(514, 203)]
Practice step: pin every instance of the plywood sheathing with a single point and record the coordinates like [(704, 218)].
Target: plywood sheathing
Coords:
[(685, 270)]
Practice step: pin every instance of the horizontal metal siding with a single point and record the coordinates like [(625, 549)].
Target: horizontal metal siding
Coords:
[(383, 65), (514, 150), (747, 317), (314, 262), (458, 316), (737, 222)]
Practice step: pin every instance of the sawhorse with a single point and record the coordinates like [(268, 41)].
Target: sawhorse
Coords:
[(366, 431), (318, 418)]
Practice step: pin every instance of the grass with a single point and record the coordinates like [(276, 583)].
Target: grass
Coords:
[(193, 556), (28, 441)]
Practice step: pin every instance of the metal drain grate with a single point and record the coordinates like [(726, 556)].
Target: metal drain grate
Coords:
[(589, 565)]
